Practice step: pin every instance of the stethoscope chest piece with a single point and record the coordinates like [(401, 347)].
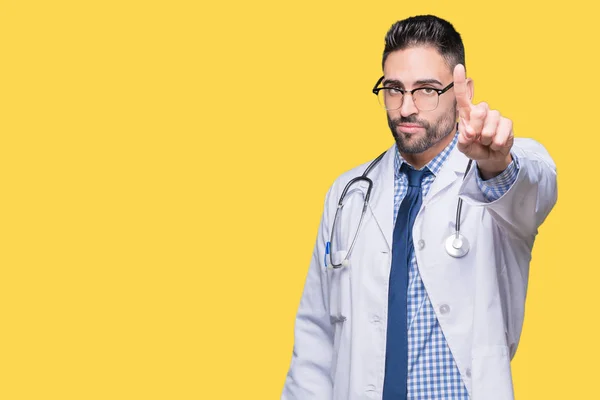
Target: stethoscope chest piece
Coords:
[(457, 245)]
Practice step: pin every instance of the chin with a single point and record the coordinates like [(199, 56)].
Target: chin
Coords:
[(410, 139)]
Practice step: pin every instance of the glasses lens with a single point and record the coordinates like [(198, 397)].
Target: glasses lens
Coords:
[(390, 99), (426, 99)]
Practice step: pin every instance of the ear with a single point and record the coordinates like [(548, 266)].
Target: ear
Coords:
[(470, 89)]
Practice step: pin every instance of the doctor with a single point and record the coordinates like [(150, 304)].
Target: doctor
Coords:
[(401, 316)]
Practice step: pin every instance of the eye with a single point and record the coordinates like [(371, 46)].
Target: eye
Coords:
[(428, 91), (395, 91)]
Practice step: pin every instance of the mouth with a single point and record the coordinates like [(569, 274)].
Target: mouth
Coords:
[(409, 128)]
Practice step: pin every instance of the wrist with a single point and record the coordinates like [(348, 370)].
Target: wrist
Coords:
[(491, 169)]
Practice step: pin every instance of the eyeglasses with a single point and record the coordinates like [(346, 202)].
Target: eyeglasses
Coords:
[(425, 98)]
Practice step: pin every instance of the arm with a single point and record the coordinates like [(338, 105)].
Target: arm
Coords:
[(309, 373), (525, 206), (487, 137)]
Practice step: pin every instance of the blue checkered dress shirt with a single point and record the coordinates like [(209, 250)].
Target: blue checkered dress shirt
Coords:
[(432, 372)]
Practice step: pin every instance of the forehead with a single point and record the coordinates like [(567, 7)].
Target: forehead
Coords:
[(416, 63)]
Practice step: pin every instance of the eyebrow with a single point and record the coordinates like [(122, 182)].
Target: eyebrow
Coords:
[(396, 82)]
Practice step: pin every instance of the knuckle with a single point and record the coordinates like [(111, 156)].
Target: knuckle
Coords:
[(495, 114), (499, 142), (479, 112), (487, 132)]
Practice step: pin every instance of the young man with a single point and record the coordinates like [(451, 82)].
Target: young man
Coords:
[(414, 294)]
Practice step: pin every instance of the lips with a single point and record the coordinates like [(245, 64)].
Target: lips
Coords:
[(409, 128), (411, 125)]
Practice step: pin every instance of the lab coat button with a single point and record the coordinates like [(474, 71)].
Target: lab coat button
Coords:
[(468, 372), (444, 308), (375, 319), (421, 244), (370, 388)]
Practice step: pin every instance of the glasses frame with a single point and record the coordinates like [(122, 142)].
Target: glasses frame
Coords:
[(376, 90)]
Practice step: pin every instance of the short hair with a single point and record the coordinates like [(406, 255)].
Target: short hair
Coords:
[(426, 30)]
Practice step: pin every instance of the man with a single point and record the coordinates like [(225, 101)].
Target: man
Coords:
[(425, 304)]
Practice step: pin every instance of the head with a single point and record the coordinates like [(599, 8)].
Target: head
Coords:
[(422, 51)]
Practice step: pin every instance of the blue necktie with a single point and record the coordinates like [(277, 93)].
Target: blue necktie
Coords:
[(396, 361)]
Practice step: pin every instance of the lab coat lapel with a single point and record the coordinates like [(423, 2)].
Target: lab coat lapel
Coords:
[(382, 195), (451, 170)]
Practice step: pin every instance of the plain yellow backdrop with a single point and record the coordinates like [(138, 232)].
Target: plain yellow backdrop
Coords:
[(163, 166)]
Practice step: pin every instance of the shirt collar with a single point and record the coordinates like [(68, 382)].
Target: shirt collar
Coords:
[(434, 165)]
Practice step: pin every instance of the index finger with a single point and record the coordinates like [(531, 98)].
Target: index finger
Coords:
[(461, 92)]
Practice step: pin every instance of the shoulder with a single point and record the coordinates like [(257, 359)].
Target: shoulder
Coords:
[(385, 158)]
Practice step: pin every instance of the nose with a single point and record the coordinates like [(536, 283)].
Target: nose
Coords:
[(408, 106)]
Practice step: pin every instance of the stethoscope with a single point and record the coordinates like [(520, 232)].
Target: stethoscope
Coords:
[(456, 245)]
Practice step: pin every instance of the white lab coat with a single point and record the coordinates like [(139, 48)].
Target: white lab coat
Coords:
[(340, 329)]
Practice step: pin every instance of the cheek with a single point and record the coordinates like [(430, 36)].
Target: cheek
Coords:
[(452, 108), (448, 112), (432, 118), (394, 114)]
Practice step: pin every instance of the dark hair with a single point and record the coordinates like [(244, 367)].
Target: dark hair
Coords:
[(426, 30)]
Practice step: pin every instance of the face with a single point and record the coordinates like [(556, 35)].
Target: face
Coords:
[(416, 131)]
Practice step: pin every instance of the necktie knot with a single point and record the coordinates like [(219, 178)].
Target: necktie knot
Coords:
[(415, 177)]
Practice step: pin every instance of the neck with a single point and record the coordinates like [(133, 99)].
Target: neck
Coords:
[(419, 160)]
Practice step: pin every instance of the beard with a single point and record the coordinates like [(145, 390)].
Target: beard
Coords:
[(407, 143)]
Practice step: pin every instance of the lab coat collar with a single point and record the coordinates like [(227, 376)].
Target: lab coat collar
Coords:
[(382, 195), (453, 168)]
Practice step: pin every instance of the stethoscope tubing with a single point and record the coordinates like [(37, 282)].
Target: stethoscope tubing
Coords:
[(458, 247)]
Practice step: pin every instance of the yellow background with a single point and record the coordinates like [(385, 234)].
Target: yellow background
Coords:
[(163, 166)]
